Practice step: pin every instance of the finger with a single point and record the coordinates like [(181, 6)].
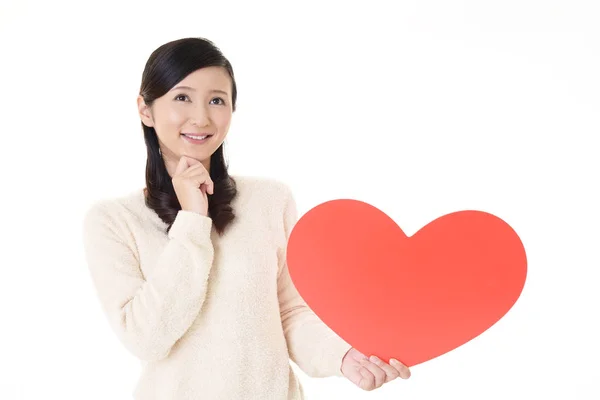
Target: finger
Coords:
[(194, 169), (358, 356), (367, 381), (390, 372), (208, 187), (182, 165), (353, 374), (377, 372), (201, 183), (191, 161), (203, 189), (199, 172), (208, 183), (402, 369), (185, 163)]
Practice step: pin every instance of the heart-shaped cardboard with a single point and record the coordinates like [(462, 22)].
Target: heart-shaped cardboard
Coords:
[(411, 298)]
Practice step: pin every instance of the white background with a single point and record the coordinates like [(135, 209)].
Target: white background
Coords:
[(418, 107)]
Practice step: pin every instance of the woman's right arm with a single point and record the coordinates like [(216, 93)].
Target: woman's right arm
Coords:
[(149, 314)]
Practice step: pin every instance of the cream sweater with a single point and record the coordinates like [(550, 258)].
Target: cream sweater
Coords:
[(209, 317)]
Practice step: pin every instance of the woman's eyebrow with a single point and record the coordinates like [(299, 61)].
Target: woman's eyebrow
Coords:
[(191, 88)]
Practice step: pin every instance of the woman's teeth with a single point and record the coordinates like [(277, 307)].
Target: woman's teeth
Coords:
[(196, 137)]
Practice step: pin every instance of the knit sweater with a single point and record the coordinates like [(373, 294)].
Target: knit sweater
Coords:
[(209, 317)]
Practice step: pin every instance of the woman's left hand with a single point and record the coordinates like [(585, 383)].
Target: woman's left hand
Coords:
[(370, 373)]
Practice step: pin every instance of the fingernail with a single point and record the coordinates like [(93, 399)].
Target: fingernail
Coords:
[(375, 358)]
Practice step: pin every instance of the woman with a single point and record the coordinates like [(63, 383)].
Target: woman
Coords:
[(191, 270)]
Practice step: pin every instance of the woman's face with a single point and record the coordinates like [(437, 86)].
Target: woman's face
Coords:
[(197, 106)]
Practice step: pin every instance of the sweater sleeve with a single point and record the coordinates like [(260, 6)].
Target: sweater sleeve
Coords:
[(149, 314), (312, 345)]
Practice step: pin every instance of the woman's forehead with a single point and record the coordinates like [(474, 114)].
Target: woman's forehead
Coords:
[(207, 79)]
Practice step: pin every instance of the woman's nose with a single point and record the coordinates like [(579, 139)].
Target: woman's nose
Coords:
[(200, 117)]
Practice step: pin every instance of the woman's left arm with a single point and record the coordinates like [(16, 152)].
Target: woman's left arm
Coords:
[(315, 347), (312, 345)]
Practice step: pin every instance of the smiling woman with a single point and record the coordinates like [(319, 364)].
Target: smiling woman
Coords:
[(191, 270)]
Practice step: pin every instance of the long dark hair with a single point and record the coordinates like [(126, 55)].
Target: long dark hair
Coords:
[(168, 65)]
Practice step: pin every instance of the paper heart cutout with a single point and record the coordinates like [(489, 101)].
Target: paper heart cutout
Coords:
[(410, 298)]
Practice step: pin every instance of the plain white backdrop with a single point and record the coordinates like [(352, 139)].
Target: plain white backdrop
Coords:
[(420, 108)]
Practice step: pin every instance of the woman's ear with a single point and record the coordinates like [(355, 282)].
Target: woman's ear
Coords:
[(144, 111)]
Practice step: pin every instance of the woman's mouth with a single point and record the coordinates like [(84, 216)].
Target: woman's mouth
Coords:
[(196, 139)]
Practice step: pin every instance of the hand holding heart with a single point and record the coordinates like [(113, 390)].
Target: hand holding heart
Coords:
[(370, 373)]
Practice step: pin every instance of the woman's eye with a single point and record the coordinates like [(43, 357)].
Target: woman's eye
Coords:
[(219, 99), (181, 97)]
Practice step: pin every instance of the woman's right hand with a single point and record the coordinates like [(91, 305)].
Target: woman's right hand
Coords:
[(192, 185)]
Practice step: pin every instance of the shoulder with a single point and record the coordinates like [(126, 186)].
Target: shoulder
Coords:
[(265, 200), (261, 183), (264, 189), (113, 211)]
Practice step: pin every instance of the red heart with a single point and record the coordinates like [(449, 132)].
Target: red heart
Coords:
[(411, 298)]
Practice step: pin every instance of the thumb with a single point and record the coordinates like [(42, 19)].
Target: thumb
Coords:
[(181, 166)]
